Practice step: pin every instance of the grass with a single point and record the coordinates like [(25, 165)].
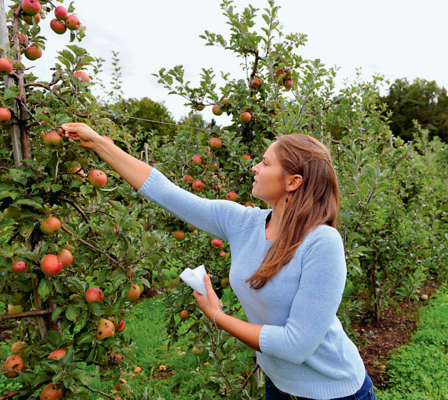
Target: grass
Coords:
[(186, 374), (419, 370)]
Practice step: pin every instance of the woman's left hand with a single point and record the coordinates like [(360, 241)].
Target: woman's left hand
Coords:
[(209, 304)]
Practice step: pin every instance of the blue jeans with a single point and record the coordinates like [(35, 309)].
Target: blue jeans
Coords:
[(365, 393)]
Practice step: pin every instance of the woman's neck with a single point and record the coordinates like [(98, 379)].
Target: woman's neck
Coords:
[(273, 226)]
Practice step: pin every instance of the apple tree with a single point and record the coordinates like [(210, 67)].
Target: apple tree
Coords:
[(75, 249)]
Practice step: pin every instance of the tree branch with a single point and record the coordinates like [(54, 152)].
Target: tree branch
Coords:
[(98, 391), (57, 95), (25, 314), (9, 395), (90, 245), (247, 379), (72, 203)]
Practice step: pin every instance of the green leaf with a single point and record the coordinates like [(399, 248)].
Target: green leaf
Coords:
[(76, 282), (18, 176), (96, 308), (29, 202), (68, 358), (72, 313), (11, 92), (57, 311), (45, 288), (6, 222), (91, 356), (85, 337), (26, 229)]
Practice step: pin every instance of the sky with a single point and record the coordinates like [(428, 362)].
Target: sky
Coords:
[(396, 38)]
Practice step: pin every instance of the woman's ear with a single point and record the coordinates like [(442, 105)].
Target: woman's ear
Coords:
[(295, 182)]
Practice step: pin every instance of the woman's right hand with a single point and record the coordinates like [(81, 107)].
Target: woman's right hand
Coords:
[(79, 131)]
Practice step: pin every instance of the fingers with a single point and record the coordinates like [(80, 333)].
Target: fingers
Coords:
[(208, 283), (71, 127)]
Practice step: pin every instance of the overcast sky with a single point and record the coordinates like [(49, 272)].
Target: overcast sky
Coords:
[(397, 38)]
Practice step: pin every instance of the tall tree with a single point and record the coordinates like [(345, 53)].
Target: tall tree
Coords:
[(421, 100)]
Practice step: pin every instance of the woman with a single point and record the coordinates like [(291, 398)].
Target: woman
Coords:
[(288, 265)]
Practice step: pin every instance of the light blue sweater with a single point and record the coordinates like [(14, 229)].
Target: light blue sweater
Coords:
[(304, 349)]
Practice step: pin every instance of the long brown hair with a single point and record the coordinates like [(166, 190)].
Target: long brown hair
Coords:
[(314, 203)]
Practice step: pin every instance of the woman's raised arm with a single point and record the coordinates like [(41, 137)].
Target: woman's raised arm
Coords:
[(133, 171)]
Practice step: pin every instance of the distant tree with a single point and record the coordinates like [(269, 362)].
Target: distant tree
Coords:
[(145, 108), (423, 101)]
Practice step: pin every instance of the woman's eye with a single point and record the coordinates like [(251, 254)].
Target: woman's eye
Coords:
[(264, 163)]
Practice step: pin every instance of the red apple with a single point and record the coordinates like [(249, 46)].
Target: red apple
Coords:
[(223, 254), (18, 348), (216, 110), (50, 392), (50, 226), (58, 26), (57, 354), (97, 178), (198, 186), (53, 140), (51, 265), (187, 178), (78, 173), (215, 143), (121, 326), (137, 370), (256, 83), (231, 196), (66, 257), (288, 84), (94, 294), (82, 76), (13, 363), (5, 66), (247, 157), (179, 235), (197, 160), (184, 315), (33, 52), (60, 13), (217, 243), (134, 292), (278, 76), (31, 7), (245, 117), (18, 266), (5, 114), (72, 23)]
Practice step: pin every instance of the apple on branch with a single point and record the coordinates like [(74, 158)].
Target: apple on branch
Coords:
[(51, 392), (5, 66), (33, 52)]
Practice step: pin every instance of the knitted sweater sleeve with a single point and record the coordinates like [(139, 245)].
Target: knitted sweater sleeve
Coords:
[(217, 217), (314, 307)]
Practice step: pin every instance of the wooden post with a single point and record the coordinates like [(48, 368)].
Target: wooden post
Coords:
[(20, 140)]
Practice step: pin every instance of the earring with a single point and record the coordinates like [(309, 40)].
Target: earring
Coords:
[(287, 197)]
